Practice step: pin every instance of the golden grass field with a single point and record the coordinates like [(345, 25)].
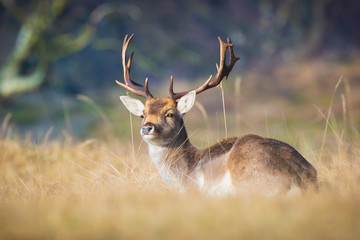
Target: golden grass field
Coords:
[(103, 189)]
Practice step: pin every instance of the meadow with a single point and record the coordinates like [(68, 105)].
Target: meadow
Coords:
[(107, 188)]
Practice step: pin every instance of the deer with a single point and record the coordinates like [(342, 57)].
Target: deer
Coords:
[(249, 164)]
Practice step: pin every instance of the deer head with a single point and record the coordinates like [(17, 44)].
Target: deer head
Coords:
[(162, 117)]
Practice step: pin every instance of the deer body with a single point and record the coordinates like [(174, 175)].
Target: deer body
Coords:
[(248, 164)]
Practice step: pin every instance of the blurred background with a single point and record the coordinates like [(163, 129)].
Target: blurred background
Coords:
[(59, 60)]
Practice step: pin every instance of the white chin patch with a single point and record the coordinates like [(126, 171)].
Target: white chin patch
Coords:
[(148, 137)]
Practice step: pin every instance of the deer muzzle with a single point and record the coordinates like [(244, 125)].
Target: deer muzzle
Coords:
[(147, 130)]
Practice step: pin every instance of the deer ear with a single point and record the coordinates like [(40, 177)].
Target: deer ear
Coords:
[(186, 102), (135, 106)]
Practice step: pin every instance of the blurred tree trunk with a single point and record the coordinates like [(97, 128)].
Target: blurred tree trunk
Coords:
[(12, 81), (30, 39)]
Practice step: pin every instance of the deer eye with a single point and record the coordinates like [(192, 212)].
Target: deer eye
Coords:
[(170, 115)]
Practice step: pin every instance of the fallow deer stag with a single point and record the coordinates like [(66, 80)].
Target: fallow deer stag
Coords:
[(247, 164)]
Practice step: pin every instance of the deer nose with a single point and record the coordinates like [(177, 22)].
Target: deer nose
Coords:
[(146, 130)]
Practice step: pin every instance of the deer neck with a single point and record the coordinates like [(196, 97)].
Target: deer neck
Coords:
[(174, 160)]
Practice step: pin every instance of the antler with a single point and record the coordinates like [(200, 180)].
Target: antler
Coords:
[(130, 85), (223, 71)]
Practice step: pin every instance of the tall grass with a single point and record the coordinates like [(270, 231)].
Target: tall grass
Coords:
[(100, 189)]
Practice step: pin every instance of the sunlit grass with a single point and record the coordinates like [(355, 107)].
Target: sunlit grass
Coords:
[(108, 188), (95, 189)]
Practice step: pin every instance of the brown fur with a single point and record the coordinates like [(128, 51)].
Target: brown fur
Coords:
[(157, 106), (252, 153)]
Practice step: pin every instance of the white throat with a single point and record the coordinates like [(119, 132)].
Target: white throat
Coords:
[(157, 154)]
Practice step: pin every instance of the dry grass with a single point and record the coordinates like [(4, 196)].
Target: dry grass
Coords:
[(99, 189), (95, 189)]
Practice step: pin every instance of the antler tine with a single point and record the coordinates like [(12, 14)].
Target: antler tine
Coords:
[(129, 84), (147, 92), (232, 59), (171, 87), (129, 67), (223, 70), (126, 65)]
